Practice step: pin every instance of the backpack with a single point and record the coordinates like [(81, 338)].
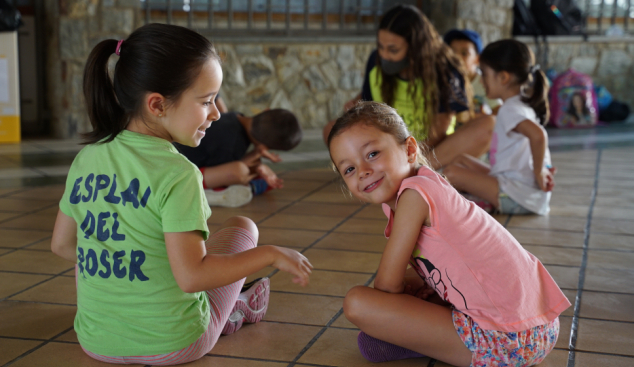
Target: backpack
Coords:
[(523, 21), (573, 102), (557, 17)]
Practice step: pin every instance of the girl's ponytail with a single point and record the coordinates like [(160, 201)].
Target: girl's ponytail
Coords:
[(538, 98), (106, 115)]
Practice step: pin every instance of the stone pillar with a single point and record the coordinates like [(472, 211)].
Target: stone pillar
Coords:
[(74, 27)]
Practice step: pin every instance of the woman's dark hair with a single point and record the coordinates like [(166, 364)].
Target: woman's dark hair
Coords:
[(516, 58), (277, 129), (159, 58), (429, 58)]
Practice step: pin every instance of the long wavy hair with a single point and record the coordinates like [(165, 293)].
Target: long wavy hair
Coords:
[(429, 57)]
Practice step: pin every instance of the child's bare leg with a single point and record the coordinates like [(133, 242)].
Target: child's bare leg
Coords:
[(473, 139), (472, 163), (473, 182), (408, 322), (232, 173)]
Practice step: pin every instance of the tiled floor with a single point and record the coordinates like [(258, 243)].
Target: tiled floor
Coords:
[(587, 243)]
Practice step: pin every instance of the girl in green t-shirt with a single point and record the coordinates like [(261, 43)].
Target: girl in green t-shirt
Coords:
[(153, 285)]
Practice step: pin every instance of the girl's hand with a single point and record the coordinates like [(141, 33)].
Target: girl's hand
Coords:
[(545, 179), (422, 291), (271, 178), (293, 262)]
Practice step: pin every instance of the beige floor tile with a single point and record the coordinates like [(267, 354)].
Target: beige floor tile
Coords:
[(18, 238), (362, 262), (609, 280), (605, 337), (565, 276), (571, 189), (613, 226), (13, 348), (556, 255), (546, 238), (11, 283), (310, 222), (613, 212), (573, 224), (319, 174), (7, 191), (60, 355), (366, 226), (327, 283), (32, 222), (611, 191), (301, 185), (220, 215), (326, 196), (600, 360), (52, 192), (286, 195), (569, 210), (338, 347), (70, 336), (255, 341), (610, 259), (211, 361), (327, 210), (354, 242), (44, 245), (556, 358), (34, 262), (34, 320), (343, 322), (611, 241), (23, 205), (6, 216), (566, 199), (264, 203), (574, 180), (565, 323), (288, 237), (614, 201), (608, 306), (373, 211), (571, 295), (302, 309), (616, 183), (57, 290)]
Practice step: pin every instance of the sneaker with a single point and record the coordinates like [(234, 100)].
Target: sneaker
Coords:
[(232, 196), (259, 186), (250, 307)]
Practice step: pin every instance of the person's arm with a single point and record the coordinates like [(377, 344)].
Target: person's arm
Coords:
[(195, 270), (538, 141), (438, 128), (411, 214), (64, 241)]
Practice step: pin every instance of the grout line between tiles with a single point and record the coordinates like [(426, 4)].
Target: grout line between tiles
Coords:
[(40, 302), (37, 347), (24, 214), (582, 270), (35, 285)]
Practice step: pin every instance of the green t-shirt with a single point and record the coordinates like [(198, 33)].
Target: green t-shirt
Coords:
[(124, 195), (410, 108)]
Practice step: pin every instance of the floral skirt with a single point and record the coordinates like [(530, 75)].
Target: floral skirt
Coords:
[(490, 348)]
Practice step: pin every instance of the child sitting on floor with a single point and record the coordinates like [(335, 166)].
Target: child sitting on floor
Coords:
[(473, 296), (520, 178), (153, 285), (231, 176)]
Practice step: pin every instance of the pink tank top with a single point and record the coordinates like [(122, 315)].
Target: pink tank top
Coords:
[(474, 263)]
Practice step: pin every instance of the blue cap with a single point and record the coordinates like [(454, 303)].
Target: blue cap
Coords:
[(464, 34)]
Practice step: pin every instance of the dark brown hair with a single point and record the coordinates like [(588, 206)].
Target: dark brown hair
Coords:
[(429, 58), (277, 129), (517, 59), (380, 116), (159, 58)]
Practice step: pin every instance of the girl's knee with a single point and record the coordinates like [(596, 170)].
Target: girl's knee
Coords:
[(244, 223), (354, 302)]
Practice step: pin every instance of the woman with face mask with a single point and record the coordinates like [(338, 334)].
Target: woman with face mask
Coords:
[(413, 71)]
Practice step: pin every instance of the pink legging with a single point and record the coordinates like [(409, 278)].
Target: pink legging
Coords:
[(226, 241)]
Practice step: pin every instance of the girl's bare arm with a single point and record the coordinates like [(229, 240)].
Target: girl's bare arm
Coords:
[(538, 142), (64, 241)]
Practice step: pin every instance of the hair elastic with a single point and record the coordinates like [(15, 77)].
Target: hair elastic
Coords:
[(534, 68), (118, 49)]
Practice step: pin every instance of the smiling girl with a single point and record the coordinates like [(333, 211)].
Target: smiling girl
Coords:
[(153, 285), (452, 284)]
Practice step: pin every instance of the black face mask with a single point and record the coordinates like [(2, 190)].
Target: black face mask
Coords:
[(394, 67)]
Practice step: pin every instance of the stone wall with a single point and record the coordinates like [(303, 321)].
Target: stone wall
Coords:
[(609, 61), (313, 78)]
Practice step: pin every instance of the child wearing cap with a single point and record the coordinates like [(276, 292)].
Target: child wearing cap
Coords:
[(467, 44)]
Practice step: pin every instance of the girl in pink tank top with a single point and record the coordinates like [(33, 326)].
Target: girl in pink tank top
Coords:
[(453, 284)]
